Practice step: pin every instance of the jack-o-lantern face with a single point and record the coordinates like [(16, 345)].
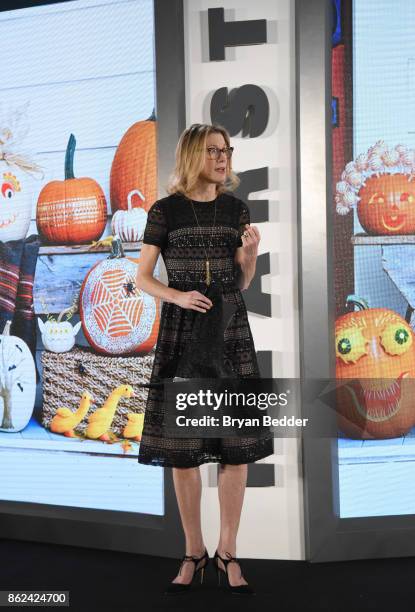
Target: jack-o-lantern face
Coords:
[(376, 348), (15, 206), (387, 205)]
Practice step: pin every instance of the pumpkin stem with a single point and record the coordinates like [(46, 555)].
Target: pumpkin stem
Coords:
[(63, 312), (130, 195), (357, 301), (6, 330), (72, 308), (70, 150)]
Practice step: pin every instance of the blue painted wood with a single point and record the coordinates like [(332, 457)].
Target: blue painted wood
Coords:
[(398, 261), (34, 431)]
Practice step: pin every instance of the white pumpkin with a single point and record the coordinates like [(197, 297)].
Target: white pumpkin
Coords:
[(17, 382), (130, 224), (58, 336)]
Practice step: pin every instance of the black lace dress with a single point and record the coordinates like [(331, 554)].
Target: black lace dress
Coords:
[(172, 226)]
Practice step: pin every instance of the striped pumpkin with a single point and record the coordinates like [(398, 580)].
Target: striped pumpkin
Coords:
[(117, 318), (72, 211)]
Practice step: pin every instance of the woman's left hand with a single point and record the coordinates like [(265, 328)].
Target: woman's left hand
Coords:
[(250, 241)]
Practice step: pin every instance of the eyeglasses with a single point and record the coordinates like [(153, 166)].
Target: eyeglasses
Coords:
[(214, 152)]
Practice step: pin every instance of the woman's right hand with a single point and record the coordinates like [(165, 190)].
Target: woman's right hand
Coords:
[(194, 300)]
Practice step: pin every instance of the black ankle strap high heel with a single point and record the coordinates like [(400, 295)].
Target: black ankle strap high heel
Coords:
[(242, 589), (177, 587)]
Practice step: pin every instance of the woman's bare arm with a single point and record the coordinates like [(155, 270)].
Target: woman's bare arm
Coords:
[(145, 279), (246, 256)]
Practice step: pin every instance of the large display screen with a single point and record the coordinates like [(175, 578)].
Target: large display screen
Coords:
[(374, 250), (78, 173)]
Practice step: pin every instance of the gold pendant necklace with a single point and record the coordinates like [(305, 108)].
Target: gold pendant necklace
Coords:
[(208, 276), (207, 272)]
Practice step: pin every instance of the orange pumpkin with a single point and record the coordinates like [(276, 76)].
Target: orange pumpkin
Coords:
[(117, 317), (387, 204), (375, 348), (134, 167), (72, 211)]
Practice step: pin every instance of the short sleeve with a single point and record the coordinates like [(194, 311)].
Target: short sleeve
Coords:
[(156, 229), (244, 218)]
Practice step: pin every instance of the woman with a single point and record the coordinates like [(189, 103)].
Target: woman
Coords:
[(204, 234)]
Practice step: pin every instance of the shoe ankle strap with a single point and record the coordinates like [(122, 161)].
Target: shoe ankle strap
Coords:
[(184, 559), (195, 560), (228, 560)]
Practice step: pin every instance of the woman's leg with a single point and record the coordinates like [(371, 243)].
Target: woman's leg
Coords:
[(188, 487), (231, 488)]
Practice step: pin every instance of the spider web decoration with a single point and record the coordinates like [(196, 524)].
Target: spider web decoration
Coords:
[(117, 319)]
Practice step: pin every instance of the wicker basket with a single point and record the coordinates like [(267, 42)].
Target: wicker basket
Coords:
[(67, 375)]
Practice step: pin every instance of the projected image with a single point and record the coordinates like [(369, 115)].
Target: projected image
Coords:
[(78, 163), (374, 228)]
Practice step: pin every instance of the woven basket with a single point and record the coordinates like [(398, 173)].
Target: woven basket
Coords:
[(67, 375)]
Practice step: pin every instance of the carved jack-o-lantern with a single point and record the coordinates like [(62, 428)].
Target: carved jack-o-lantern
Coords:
[(16, 203), (387, 204), (375, 347)]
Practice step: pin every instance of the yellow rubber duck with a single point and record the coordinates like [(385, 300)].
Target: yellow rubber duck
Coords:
[(134, 427), (65, 420), (100, 421)]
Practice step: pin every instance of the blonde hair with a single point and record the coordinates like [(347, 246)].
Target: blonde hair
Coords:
[(190, 159)]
